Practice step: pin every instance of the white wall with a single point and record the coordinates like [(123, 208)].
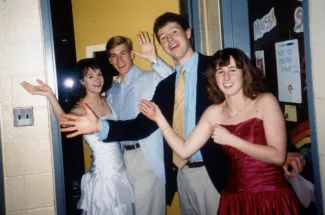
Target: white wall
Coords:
[(27, 151)]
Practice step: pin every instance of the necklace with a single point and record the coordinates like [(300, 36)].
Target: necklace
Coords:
[(94, 102), (238, 112), (97, 110)]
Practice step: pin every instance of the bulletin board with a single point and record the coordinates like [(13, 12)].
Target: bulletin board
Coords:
[(278, 26), (277, 48)]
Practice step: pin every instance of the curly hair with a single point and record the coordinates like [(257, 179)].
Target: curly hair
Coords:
[(252, 77)]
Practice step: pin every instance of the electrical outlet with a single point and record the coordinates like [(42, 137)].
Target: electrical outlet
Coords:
[(23, 116)]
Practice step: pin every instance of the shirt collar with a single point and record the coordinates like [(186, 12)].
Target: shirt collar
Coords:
[(130, 74), (187, 66)]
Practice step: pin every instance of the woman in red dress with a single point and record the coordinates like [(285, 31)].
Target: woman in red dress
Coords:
[(249, 126)]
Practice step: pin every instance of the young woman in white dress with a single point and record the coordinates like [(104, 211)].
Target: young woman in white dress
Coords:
[(106, 189)]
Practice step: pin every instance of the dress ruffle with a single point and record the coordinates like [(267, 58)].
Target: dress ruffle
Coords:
[(267, 203), (106, 195)]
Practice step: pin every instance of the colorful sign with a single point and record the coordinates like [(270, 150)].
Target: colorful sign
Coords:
[(260, 61), (298, 16), (264, 25)]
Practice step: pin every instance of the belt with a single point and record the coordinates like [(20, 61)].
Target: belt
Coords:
[(195, 164), (131, 147)]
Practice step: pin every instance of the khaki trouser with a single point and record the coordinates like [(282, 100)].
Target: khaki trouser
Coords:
[(197, 194), (149, 190)]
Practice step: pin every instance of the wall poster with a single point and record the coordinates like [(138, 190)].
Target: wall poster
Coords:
[(288, 70)]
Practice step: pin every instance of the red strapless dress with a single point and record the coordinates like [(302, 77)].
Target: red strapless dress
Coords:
[(254, 187)]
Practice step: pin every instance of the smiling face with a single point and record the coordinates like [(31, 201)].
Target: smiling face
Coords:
[(93, 80), (175, 42), (229, 78), (121, 58)]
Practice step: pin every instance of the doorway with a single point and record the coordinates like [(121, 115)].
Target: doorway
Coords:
[(94, 33)]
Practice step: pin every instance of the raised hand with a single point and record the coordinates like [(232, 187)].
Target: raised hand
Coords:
[(148, 49), (43, 89), (150, 110)]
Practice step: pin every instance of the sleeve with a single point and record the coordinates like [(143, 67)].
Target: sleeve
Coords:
[(105, 129), (162, 69), (134, 129)]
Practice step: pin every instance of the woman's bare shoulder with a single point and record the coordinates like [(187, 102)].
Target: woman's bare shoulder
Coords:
[(265, 99), (214, 109), (77, 111), (213, 113)]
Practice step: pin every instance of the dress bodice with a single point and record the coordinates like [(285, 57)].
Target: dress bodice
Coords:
[(107, 159), (247, 173)]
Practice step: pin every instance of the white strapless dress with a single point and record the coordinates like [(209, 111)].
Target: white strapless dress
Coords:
[(106, 189)]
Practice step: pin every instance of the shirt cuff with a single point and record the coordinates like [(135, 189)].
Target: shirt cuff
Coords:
[(155, 62), (105, 129)]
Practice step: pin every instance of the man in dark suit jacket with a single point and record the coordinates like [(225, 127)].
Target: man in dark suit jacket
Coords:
[(173, 33)]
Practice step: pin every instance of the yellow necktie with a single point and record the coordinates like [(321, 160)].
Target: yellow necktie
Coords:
[(178, 117), (119, 79)]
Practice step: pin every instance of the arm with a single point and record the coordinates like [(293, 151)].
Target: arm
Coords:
[(295, 161), (88, 123), (195, 141), (44, 90), (110, 130), (274, 127), (162, 69), (148, 52)]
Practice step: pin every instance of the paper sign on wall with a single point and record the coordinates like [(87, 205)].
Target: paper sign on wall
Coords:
[(298, 16), (264, 25), (260, 61), (288, 70), (290, 113)]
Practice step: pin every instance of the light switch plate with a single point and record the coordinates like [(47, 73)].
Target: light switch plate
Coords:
[(23, 116)]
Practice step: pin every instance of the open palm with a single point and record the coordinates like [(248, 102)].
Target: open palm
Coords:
[(148, 49), (43, 89)]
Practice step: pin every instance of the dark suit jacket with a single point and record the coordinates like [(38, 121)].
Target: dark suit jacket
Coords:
[(141, 127)]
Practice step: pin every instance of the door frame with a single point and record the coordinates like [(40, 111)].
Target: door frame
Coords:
[(55, 129), (2, 185), (311, 109), (235, 25)]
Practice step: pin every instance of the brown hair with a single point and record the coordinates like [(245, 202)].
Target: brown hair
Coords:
[(84, 65), (116, 41), (252, 77), (169, 17)]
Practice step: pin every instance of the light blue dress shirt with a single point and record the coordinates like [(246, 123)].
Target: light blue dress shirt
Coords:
[(124, 99), (190, 68)]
